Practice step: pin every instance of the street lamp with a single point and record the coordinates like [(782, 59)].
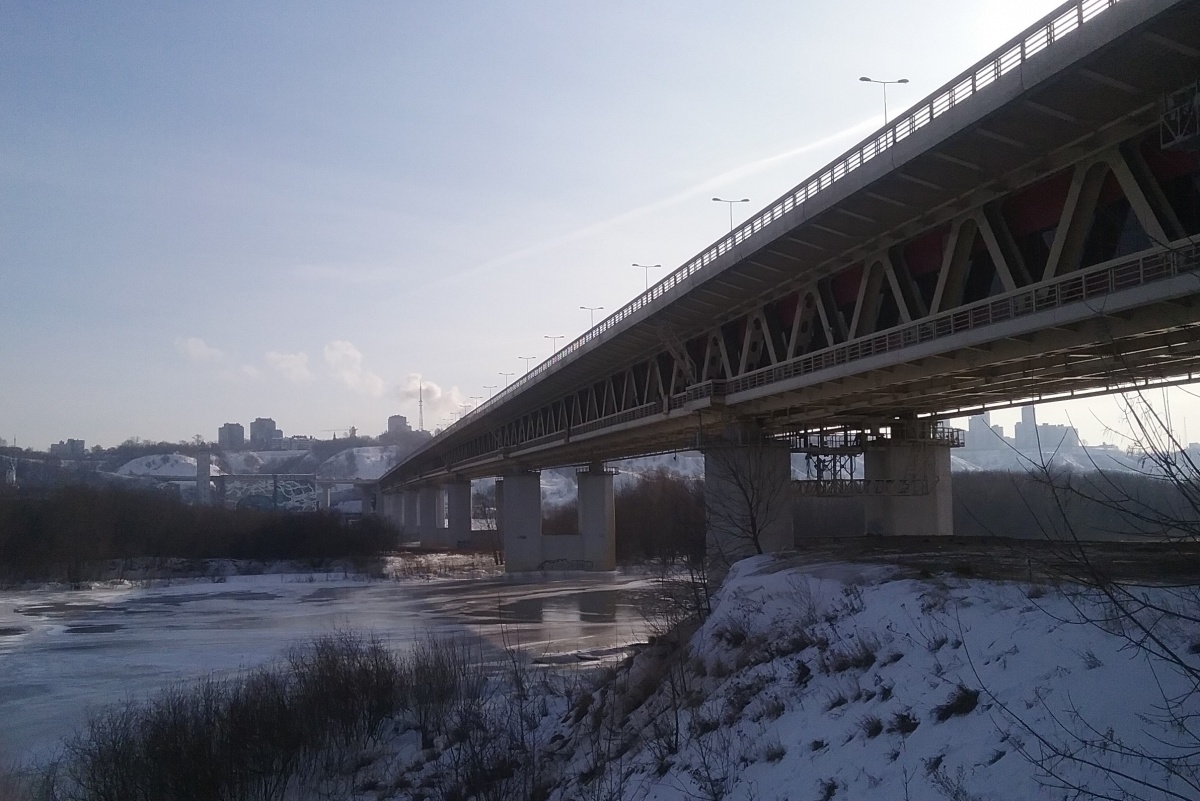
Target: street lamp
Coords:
[(553, 342), (477, 399), (506, 377), (884, 84), (730, 204), (527, 359), (648, 268), (593, 310), (491, 390)]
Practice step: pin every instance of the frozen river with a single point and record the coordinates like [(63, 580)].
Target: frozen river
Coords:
[(64, 652)]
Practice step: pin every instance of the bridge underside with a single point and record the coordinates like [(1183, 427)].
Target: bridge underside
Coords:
[(1027, 232), (1032, 243), (1115, 326)]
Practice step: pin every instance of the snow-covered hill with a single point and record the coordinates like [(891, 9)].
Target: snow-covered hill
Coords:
[(366, 463), (164, 465), (244, 462)]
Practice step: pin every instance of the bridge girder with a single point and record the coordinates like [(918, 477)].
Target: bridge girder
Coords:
[(835, 320)]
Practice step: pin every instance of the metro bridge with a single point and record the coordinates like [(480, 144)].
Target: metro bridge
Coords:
[(1027, 232)]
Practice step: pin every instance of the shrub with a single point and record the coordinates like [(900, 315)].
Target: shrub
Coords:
[(860, 655), (249, 737), (961, 702), (903, 723)]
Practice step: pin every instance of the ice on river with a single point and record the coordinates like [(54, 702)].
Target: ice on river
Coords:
[(64, 652)]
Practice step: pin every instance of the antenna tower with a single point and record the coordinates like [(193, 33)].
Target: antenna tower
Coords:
[(420, 407)]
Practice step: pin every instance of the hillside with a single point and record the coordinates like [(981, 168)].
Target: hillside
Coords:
[(164, 465), (839, 681)]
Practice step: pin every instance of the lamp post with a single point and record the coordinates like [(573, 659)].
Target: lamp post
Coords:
[(507, 376), (730, 204), (648, 268), (491, 390), (477, 399), (527, 360), (884, 84), (553, 342), (593, 310)]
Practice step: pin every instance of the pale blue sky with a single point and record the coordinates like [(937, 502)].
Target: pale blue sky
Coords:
[(211, 212)]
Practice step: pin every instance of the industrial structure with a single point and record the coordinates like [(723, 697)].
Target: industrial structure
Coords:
[(1023, 233)]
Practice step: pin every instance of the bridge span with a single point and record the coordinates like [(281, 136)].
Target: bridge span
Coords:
[(1026, 232)]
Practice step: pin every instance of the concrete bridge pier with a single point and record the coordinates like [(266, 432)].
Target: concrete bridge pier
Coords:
[(408, 515), (519, 512), (458, 514), (597, 517), (388, 505), (203, 477), (909, 477), (431, 510), (747, 496)]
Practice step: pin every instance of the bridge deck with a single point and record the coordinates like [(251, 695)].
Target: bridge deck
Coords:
[(1084, 82)]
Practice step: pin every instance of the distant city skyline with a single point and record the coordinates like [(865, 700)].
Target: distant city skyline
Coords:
[(319, 213)]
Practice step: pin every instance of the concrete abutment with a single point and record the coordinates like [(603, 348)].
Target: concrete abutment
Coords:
[(909, 488)]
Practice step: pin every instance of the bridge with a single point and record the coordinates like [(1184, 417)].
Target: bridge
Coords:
[(1024, 233)]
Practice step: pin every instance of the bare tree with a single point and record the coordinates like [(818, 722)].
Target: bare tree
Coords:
[(483, 503), (1152, 616), (748, 497)]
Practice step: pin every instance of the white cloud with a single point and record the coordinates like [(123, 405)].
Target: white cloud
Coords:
[(440, 405), (346, 361), (292, 366), (199, 351)]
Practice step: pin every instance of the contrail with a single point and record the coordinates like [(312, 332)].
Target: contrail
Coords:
[(704, 187)]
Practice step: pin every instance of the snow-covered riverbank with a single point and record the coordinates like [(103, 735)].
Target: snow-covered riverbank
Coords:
[(838, 681)]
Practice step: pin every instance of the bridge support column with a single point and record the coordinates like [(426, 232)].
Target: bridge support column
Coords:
[(203, 477), (408, 515), (458, 514), (747, 497), (519, 498), (387, 505), (598, 517), (430, 512), (914, 498)]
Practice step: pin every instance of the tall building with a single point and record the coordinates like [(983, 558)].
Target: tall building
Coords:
[(263, 432), (981, 436), (231, 436), (1025, 433), (71, 449), (398, 424)]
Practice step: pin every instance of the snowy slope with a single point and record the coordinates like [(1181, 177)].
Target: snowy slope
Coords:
[(258, 461), (366, 463), (826, 682), (164, 465), (836, 681)]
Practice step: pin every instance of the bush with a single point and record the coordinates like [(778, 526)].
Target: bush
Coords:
[(961, 702), (251, 737)]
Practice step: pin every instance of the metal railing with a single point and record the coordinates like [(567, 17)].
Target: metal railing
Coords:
[(1050, 29), (1084, 285), (851, 487), (1054, 26)]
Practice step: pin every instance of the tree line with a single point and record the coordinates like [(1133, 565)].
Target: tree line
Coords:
[(64, 531)]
